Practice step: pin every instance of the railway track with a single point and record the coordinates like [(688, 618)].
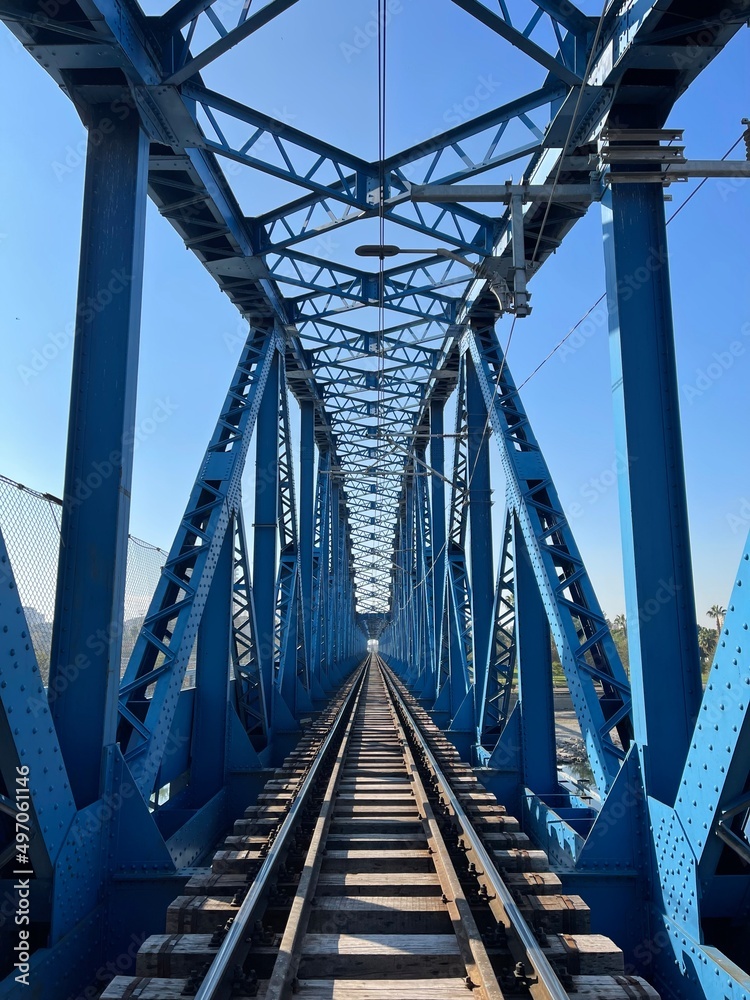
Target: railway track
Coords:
[(375, 866)]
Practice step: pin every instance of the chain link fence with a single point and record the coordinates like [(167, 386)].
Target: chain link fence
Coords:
[(30, 523)]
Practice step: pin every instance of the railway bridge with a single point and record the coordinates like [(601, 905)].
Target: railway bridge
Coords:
[(324, 762)]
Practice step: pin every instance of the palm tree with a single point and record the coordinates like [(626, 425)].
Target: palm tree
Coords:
[(620, 624), (717, 612), (707, 640)]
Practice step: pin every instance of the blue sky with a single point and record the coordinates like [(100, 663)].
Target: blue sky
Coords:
[(191, 333)]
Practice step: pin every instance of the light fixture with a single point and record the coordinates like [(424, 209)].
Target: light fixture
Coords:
[(389, 250), (516, 301)]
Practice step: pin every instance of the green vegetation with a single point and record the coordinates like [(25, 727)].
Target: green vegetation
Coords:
[(707, 641)]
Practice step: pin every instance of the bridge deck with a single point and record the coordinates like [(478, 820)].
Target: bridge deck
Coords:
[(374, 894)]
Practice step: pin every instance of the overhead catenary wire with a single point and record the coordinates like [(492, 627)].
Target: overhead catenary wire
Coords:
[(499, 376), (557, 347), (380, 363), (601, 298)]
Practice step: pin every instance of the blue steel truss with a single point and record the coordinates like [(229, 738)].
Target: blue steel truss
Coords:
[(162, 651), (494, 703), (596, 678), (251, 698), (365, 544)]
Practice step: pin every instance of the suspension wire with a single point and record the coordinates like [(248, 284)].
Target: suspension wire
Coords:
[(380, 345), (548, 206), (559, 344), (601, 298), (697, 188)]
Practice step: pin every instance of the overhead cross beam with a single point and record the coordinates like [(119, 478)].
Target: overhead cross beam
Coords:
[(187, 11), (520, 41)]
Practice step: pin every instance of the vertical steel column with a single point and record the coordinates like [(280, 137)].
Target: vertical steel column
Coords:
[(411, 580), (213, 655), (662, 633), (252, 699), (397, 575), (534, 658), (425, 591), (439, 536), (321, 562), (334, 607), (87, 638), (480, 521), (265, 526), (307, 525)]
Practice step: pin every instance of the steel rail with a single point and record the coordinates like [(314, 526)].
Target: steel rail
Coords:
[(215, 985), (287, 961), (546, 976), (480, 974)]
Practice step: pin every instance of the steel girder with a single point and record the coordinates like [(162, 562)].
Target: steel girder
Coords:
[(494, 702), (251, 697), (322, 570), (87, 634), (708, 825), (225, 32), (455, 672), (415, 576), (425, 566), (450, 626), (26, 722), (270, 652), (474, 675), (660, 603), (671, 878), (597, 680), (481, 556), (163, 648), (290, 671)]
